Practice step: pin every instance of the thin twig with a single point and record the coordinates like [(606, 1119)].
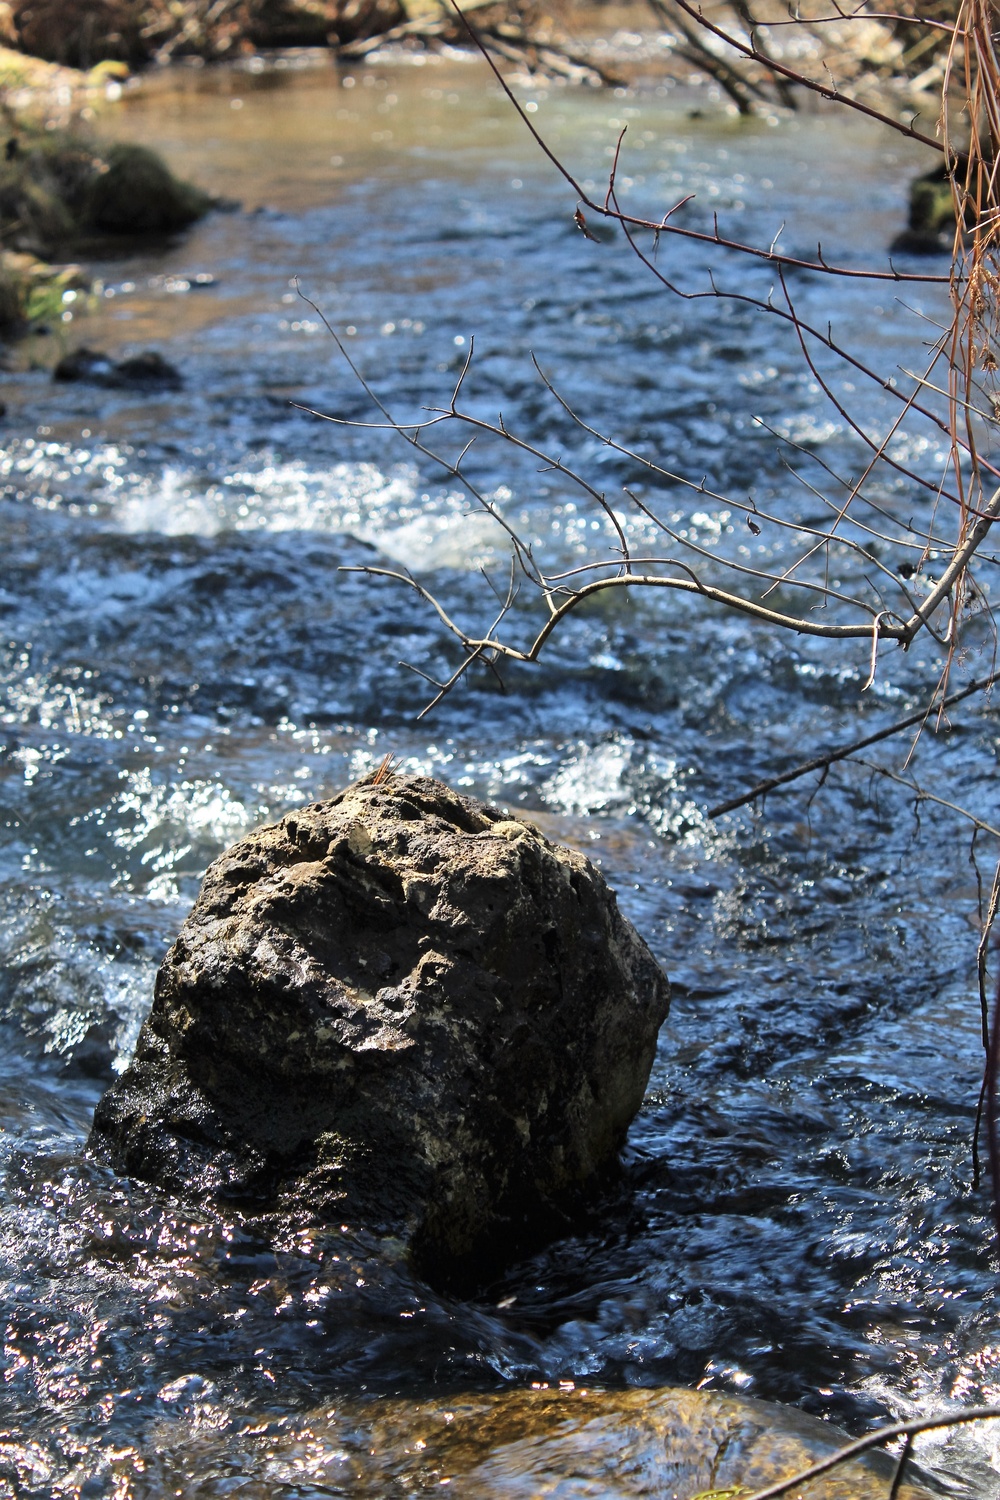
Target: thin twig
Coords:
[(900, 1467), (772, 256), (923, 795), (874, 1440), (820, 762)]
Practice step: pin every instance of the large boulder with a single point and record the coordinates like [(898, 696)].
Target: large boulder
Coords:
[(401, 1009)]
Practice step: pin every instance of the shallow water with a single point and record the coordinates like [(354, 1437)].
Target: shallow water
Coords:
[(182, 659)]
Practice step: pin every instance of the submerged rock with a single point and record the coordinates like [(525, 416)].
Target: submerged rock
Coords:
[(85, 365), (612, 1445), (403, 1010), (148, 371), (577, 1445)]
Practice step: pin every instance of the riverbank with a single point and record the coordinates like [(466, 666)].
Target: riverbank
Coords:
[(63, 192), (46, 95), (899, 58)]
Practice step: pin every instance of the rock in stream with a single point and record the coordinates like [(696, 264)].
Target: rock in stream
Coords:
[(402, 1010), (530, 1444)]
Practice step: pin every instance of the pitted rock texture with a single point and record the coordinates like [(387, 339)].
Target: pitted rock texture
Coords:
[(401, 1009)]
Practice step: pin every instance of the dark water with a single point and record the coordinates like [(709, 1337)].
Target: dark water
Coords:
[(182, 659)]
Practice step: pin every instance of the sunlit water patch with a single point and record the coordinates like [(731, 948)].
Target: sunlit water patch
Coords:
[(418, 529)]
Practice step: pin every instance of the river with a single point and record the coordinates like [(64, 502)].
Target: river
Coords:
[(182, 659)]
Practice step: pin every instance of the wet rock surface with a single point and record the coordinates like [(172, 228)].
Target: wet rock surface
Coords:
[(399, 1009), (578, 1444), (148, 371)]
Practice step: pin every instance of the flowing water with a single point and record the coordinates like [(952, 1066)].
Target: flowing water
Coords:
[(182, 659)]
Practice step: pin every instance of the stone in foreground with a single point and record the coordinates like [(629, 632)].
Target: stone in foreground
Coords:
[(612, 1445), (401, 1010), (555, 1445)]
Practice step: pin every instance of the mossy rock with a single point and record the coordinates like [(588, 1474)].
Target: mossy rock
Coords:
[(34, 88), (931, 221), (41, 176), (932, 204), (32, 293), (56, 187), (34, 213), (138, 194), (13, 299)]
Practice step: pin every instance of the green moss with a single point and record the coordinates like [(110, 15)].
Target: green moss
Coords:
[(136, 193), (932, 206), (34, 294), (56, 188)]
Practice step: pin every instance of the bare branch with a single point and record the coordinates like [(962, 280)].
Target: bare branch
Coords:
[(845, 752), (826, 91), (665, 225), (874, 1440), (923, 795)]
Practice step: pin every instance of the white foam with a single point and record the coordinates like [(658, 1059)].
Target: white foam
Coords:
[(423, 531), (592, 780), (167, 819)]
